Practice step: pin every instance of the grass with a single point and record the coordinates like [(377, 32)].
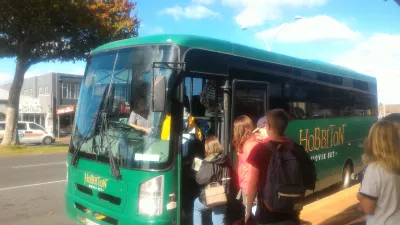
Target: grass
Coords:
[(14, 150)]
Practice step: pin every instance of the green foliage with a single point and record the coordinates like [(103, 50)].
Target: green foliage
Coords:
[(36, 31), (49, 30)]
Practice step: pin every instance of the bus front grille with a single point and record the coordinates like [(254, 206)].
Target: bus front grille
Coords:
[(104, 218), (84, 189), (109, 198)]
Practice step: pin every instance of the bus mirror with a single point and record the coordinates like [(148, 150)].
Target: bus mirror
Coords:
[(159, 93)]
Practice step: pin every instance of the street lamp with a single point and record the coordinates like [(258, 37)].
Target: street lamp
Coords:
[(270, 46)]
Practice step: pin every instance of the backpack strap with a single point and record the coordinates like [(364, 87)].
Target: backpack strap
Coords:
[(278, 147)]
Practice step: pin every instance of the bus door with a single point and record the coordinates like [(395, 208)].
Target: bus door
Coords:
[(249, 98)]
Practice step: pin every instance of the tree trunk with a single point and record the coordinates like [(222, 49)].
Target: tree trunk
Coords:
[(11, 133)]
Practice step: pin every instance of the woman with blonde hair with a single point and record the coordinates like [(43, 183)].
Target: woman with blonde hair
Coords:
[(379, 195), (211, 170)]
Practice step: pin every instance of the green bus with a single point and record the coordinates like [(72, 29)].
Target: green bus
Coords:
[(119, 173)]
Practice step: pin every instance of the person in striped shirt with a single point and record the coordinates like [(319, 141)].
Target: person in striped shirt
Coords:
[(208, 98)]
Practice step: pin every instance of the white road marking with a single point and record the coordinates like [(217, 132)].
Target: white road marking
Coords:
[(44, 164), (31, 185)]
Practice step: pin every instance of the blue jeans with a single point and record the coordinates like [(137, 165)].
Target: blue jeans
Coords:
[(218, 213)]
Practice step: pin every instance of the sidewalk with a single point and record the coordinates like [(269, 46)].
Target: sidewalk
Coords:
[(63, 139), (337, 209)]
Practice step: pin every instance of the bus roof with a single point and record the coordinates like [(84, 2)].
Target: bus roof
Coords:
[(227, 47)]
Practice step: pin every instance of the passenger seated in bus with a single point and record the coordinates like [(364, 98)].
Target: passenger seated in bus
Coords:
[(211, 170), (138, 118), (209, 100)]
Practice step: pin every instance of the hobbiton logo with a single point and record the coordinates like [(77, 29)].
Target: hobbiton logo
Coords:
[(95, 182), (319, 139)]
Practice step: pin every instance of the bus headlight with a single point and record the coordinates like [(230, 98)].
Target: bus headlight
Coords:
[(151, 194)]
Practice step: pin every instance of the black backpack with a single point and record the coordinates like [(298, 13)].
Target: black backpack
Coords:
[(290, 173)]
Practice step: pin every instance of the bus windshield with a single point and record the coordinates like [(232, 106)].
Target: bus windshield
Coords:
[(114, 112)]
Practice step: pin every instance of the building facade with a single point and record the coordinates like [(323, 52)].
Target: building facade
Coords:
[(49, 100), (386, 109)]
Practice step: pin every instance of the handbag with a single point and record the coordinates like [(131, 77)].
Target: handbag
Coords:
[(215, 192), (215, 195)]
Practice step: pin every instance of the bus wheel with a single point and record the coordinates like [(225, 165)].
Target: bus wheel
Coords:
[(346, 177)]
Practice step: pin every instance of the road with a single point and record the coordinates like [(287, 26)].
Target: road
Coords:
[(32, 190)]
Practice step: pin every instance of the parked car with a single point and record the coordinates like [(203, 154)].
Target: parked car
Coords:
[(30, 133)]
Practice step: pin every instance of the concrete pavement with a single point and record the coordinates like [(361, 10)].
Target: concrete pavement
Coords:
[(337, 209), (32, 190)]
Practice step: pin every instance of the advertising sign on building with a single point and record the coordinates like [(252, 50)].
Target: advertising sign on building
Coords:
[(67, 109), (30, 108)]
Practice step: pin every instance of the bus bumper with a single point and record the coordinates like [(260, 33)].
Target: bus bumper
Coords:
[(78, 214)]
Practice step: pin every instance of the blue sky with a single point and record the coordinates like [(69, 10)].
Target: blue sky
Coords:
[(356, 34)]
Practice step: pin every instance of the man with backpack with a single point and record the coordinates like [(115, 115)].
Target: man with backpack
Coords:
[(279, 175)]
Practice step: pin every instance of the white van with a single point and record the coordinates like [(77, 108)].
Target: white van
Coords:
[(30, 133)]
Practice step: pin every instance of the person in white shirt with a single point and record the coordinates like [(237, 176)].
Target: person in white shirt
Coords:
[(139, 117), (379, 194)]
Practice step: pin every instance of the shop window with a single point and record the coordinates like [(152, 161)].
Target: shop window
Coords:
[(64, 88), (70, 91)]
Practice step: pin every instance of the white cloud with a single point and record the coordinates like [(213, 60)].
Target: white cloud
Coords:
[(203, 2), (76, 71), (256, 12), (190, 12), (311, 29), (156, 30), (36, 72), (377, 56)]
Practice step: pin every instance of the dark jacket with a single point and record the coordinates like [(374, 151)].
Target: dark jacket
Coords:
[(212, 169)]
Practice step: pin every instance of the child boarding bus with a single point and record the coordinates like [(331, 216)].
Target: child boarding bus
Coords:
[(147, 104)]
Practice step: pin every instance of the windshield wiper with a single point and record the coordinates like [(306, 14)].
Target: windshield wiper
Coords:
[(82, 139), (101, 119), (104, 133)]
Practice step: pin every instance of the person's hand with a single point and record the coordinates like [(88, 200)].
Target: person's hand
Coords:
[(147, 130)]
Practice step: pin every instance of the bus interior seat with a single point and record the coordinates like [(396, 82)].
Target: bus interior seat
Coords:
[(322, 113), (298, 113)]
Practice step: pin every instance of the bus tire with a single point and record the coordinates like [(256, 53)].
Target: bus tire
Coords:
[(346, 177)]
